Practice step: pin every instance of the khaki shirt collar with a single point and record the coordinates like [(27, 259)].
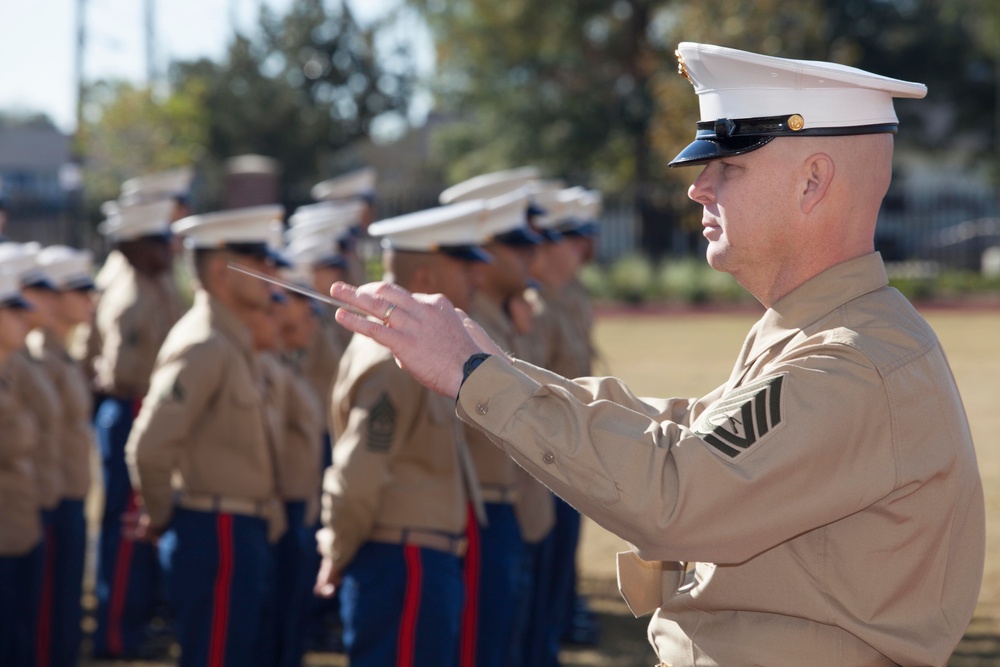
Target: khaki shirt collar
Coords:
[(226, 321), (815, 299), (56, 346), (491, 316)]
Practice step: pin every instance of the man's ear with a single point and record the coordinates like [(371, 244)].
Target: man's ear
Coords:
[(819, 171)]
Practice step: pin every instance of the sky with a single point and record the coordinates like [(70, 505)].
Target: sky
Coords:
[(38, 43)]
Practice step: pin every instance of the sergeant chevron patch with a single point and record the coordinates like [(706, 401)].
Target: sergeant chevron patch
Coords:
[(743, 417), (381, 425)]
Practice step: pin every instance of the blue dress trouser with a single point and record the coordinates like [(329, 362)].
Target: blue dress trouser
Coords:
[(69, 528), (127, 573), (217, 568), (401, 606), (20, 584), (566, 539), (534, 646), (493, 568), (46, 579), (292, 583)]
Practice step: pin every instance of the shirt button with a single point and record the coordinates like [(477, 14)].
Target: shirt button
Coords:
[(481, 408), (548, 457)]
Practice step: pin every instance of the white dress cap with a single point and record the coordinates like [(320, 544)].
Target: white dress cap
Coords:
[(454, 229), (356, 184), (254, 225), (327, 217), (67, 268), (491, 185), (299, 274), (132, 221), (21, 260), (161, 185), (506, 220), (314, 251), (559, 206), (747, 99), (591, 205), (10, 291)]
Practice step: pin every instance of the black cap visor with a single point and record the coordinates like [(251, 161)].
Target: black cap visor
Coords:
[(17, 302), (584, 229), (702, 150), (468, 253), (254, 250), (551, 235), (521, 236), (80, 285), (535, 210), (278, 259), (331, 262), (37, 281)]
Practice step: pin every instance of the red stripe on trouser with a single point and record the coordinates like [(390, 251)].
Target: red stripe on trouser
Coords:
[(119, 585), (43, 635), (406, 650), (223, 584), (136, 407), (470, 614)]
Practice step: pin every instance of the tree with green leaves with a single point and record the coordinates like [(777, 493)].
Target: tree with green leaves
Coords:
[(588, 89), (305, 86), (131, 130)]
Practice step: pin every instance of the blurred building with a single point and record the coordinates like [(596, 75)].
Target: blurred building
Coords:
[(37, 181)]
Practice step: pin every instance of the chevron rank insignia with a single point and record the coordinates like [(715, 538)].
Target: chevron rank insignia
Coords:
[(743, 417), (381, 425)]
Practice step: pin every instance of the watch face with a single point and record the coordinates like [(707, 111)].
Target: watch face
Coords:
[(473, 363)]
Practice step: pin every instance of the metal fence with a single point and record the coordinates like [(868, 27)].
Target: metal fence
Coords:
[(935, 229)]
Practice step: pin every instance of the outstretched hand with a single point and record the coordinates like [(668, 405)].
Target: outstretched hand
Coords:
[(430, 338)]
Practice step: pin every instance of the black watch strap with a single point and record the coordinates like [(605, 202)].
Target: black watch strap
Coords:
[(471, 364)]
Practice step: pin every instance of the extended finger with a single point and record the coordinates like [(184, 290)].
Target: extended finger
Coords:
[(374, 299), (366, 326)]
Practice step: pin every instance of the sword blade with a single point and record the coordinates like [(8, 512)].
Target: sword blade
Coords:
[(292, 287)]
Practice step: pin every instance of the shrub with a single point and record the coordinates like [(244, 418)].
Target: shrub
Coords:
[(631, 279)]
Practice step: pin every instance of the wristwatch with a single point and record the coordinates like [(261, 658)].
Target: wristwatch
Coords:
[(471, 364)]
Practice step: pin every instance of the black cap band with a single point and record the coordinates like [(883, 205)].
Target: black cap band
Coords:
[(725, 137)]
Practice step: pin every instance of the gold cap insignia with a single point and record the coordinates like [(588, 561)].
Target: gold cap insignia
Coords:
[(795, 122), (682, 68)]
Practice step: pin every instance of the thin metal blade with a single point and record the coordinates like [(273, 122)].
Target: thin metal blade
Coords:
[(311, 293)]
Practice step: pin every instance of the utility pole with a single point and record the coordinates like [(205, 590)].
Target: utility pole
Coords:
[(150, 43), (234, 16), (81, 40), (71, 173)]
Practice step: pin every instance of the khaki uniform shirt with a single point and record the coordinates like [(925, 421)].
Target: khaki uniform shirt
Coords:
[(322, 357), (202, 431), (567, 347), (535, 506), (397, 463), (39, 397), (133, 318), (20, 520), (576, 305), (299, 427), (496, 471), (826, 499), (75, 436)]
